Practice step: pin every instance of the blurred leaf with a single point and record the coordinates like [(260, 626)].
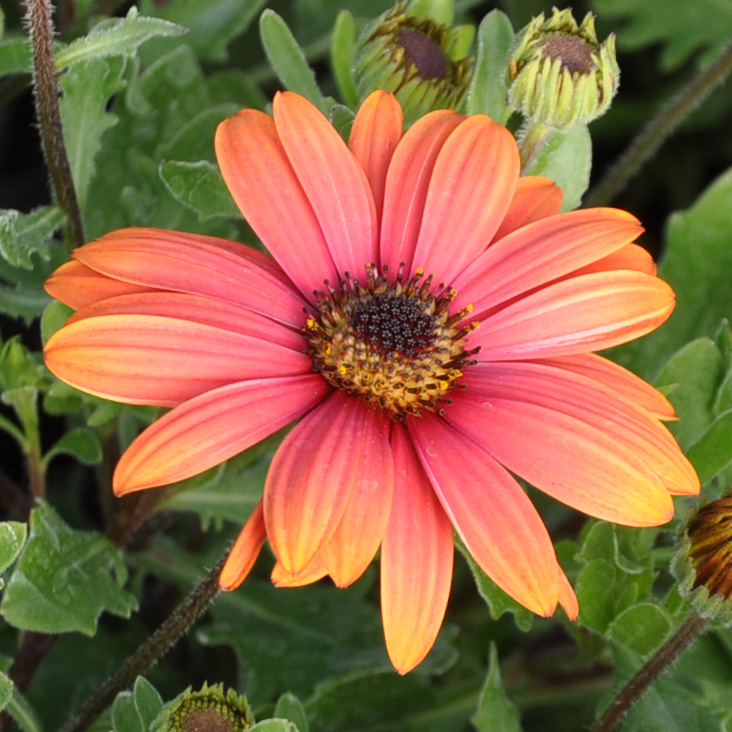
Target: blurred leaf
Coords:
[(23, 302), (497, 600), (15, 56), (6, 690), (641, 628), (495, 713), (23, 235), (194, 141), (79, 442), (274, 725), (116, 37), (341, 118), (23, 713), (595, 588), (65, 579), (288, 59), (341, 57), (55, 314), (291, 708), (233, 86), (136, 710), (712, 452), (12, 538), (487, 92), (566, 158)]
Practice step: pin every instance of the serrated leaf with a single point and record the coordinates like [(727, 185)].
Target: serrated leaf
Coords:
[(79, 442), (136, 710), (287, 58), (116, 37), (566, 158), (290, 707), (12, 539), (495, 713), (65, 579), (23, 235), (487, 93), (341, 57), (15, 56)]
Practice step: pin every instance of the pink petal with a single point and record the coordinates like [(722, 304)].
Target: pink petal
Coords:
[(471, 188), (534, 198), (631, 256), (213, 427), (147, 359), (245, 551), (585, 313), (416, 561), (375, 134), (333, 181), (407, 182), (311, 479), (266, 190), (491, 513), (200, 265)]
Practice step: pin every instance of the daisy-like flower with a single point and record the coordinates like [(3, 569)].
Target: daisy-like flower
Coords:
[(427, 315)]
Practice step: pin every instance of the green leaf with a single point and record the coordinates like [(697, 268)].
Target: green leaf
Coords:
[(65, 579), (487, 93), (12, 539), (495, 713), (290, 707), (79, 442), (21, 301), (200, 187), (566, 158), (288, 59), (116, 37), (274, 725), (595, 588), (194, 141), (15, 56), (341, 118), (712, 452), (23, 713), (6, 690), (341, 57), (641, 628), (23, 235), (136, 710)]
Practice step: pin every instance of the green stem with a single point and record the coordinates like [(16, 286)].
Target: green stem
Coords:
[(150, 651), (665, 123), (530, 141), (688, 632), (46, 92)]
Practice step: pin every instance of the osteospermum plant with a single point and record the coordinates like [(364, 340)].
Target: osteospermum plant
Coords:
[(313, 343)]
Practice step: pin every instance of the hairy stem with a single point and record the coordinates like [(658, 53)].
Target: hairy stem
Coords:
[(46, 93), (654, 134), (646, 676)]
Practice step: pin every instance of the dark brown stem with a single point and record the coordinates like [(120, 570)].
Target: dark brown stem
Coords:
[(46, 92), (656, 665), (149, 652)]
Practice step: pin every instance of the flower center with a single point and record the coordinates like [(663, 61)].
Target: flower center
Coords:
[(393, 343)]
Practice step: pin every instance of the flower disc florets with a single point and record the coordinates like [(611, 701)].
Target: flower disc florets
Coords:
[(393, 343)]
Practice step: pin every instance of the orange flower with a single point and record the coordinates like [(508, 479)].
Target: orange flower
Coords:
[(415, 398)]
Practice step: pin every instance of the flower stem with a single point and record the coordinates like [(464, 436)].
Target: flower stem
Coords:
[(150, 651), (647, 675), (46, 93), (531, 139), (665, 123)]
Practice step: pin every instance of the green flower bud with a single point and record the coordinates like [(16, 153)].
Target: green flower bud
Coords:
[(559, 75), (421, 61)]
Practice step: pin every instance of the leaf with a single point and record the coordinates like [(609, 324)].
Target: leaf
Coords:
[(288, 59), (566, 158), (6, 690), (12, 538), (487, 93), (595, 588), (341, 57), (116, 37), (23, 235), (274, 725), (290, 707), (65, 579), (23, 713), (15, 56), (495, 713), (135, 711), (23, 302), (194, 141), (79, 442), (641, 628)]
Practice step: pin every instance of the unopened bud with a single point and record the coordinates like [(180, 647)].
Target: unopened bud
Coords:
[(207, 710)]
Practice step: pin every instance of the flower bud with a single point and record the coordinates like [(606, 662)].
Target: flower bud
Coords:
[(208, 709), (559, 75), (421, 61)]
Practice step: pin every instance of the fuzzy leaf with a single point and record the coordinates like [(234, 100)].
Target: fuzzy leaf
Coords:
[(496, 712), (15, 56), (79, 442), (290, 707), (12, 538), (6, 690), (341, 57), (136, 710), (23, 235)]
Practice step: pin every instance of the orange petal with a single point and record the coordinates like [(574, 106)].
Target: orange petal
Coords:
[(416, 561), (333, 181), (631, 256), (585, 313), (567, 598), (407, 182), (213, 427), (491, 513), (534, 198), (312, 573), (311, 478), (472, 185), (356, 540), (266, 190), (375, 134), (147, 359), (244, 552)]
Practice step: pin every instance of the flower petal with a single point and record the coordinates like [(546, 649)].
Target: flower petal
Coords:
[(269, 195), (631, 256), (147, 359), (312, 573), (490, 512), (244, 552), (355, 541), (311, 479), (585, 313), (540, 253), (407, 182), (416, 561), (213, 427), (333, 181), (534, 198), (202, 265), (471, 188), (375, 134), (579, 453), (567, 598)]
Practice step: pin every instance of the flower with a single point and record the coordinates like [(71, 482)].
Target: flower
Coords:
[(416, 400)]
